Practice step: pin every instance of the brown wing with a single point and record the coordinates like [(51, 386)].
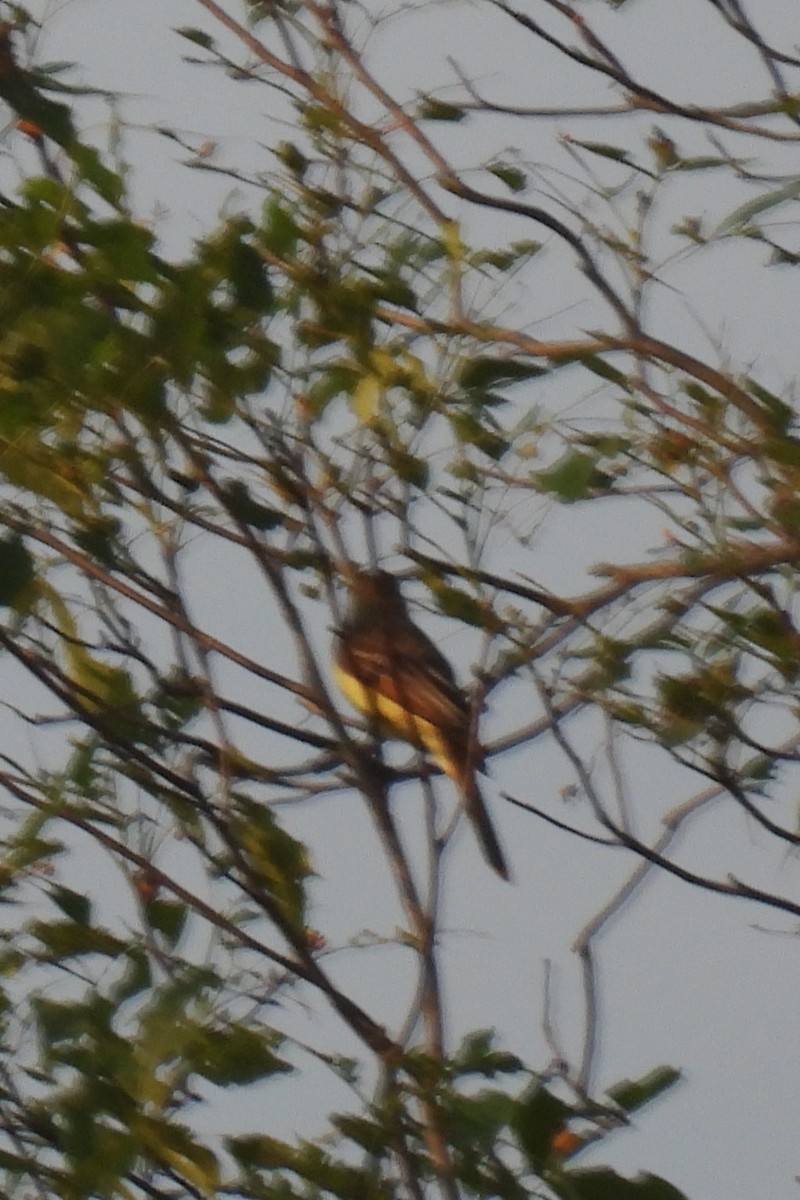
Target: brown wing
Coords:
[(406, 667)]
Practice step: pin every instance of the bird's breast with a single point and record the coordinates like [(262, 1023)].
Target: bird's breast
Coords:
[(390, 718)]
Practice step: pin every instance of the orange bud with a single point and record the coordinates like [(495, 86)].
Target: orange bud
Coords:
[(31, 128), (565, 1142), (314, 939), (146, 884)]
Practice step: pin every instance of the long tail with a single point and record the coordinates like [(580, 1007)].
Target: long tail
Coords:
[(482, 823), (462, 764)]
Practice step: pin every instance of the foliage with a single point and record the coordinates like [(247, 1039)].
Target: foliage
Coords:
[(320, 380)]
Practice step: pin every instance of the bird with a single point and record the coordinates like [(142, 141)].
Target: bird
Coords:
[(393, 674)]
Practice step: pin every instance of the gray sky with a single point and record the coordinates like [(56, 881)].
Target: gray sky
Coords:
[(702, 983)]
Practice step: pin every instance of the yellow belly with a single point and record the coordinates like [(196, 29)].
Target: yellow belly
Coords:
[(393, 721)]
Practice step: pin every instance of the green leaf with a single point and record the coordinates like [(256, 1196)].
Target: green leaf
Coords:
[(123, 249), (616, 153), (477, 1120), (431, 109), (262, 1152), (782, 413), (503, 260), (28, 849), (248, 275), (573, 477), (514, 179), (280, 861), (768, 629), (197, 36), (243, 507), (92, 170), (168, 917), (98, 1155), (367, 398), (601, 1183), (14, 1163), (390, 288), (136, 978), (319, 118), (237, 1055), (473, 432), (333, 381), (710, 402), (320, 1173), (481, 372), (292, 157), (477, 1056), (632, 1094), (73, 904), (454, 602), (369, 1135), (701, 162), (784, 450), (537, 1118), (260, 10), (279, 231), (736, 221), (99, 537), (176, 1147), (66, 939), (17, 572), (53, 120), (106, 690), (599, 366), (760, 769), (410, 468)]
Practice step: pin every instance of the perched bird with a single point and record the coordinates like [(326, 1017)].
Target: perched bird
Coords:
[(392, 672)]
